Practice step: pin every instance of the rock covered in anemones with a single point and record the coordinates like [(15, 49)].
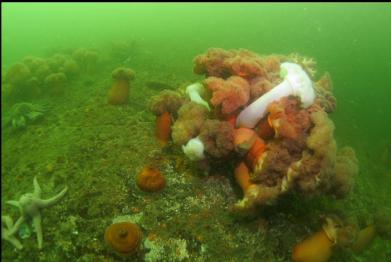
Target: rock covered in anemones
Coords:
[(287, 144)]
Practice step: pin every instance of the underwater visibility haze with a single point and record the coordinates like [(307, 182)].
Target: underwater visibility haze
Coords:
[(196, 132)]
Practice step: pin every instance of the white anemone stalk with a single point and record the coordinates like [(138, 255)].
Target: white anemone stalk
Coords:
[(296, 82)]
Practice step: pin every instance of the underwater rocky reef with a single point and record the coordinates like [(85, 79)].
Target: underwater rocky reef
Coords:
[(236, 162)]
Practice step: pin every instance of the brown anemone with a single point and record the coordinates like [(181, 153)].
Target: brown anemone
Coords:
[(124, 237), (150, 180)]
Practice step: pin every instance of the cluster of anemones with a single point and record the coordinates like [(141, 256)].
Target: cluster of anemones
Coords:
[(267, 114), (33, 77), (342, 232)]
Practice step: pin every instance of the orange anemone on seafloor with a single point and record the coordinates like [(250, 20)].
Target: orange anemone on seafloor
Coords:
[(316, 248), (150, 179), (163, 128), (124, 237)]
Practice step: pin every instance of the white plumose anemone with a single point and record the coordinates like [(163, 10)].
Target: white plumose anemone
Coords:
[(296, 82), (194, 91), (194, 149)]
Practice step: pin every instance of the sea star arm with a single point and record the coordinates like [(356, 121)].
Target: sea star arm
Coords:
[(13, 229), (42, 203), (37, 220), (13, 240), (7, 233), (15, 203), (7, 220), (37, 188)]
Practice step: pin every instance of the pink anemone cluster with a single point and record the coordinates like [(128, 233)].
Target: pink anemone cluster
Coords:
[(231, 93), (223, 63), (218, 137)]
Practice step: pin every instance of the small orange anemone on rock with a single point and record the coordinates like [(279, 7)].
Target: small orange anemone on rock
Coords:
[(150, 180), (124, 238), (119, 92)]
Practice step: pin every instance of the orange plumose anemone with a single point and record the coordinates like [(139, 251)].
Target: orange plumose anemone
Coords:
[(124, 238), (163, 128), (150, 180), (165, 107)]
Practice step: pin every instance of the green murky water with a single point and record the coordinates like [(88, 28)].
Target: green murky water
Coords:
[(68, 135)]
